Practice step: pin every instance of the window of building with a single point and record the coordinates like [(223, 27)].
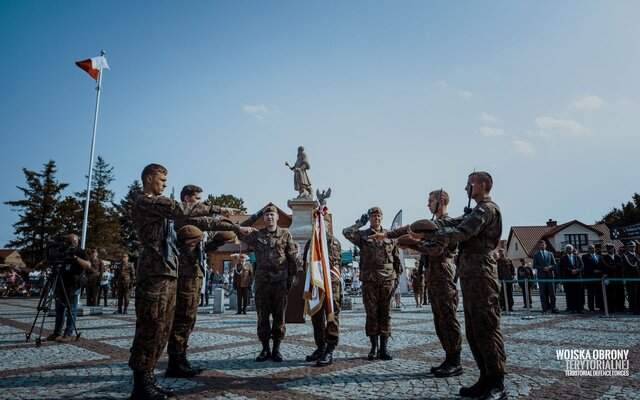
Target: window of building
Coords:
[(578, 240), (516, 246)]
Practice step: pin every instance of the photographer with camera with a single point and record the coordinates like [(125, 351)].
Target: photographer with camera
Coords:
[(68, 264)]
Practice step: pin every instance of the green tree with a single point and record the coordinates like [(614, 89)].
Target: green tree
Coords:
[(228, 200), (103, 228), (38, 212), (627, 214), (128, 236), (70, 213)]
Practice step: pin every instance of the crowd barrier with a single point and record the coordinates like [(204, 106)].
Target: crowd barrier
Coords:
[(603, 282)]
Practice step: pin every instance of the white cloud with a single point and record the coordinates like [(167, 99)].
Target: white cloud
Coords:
[(258, 110), (524, 148), (465, 94), (443, 83), (489, 131), (551, 126), (488, 118), (588, 103)]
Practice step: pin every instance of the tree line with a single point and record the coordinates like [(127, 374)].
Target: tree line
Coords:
[(46, 213)]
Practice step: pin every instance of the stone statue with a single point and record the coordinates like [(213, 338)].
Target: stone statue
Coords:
[(301, 181), (323, 196)]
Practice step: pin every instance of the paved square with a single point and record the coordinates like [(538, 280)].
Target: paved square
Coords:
[(226, 346)]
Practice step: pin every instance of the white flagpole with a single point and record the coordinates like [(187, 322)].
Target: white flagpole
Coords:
[(93, 147)]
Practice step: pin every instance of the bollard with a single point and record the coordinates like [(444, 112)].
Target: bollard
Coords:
[(506, 299), (604, 299), (526, 300)]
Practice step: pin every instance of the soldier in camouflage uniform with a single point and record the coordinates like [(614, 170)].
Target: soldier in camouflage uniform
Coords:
[(192, 263), (274, 272), (156, 276), (441, 271), (326, 333), (380, 269), (93, 278), (124, 278), (506, 272), (478, 234)]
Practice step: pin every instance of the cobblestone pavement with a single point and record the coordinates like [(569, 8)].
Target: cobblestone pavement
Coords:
[(95, 366)]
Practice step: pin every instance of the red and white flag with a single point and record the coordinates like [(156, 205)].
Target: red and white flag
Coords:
[(93, 66), (317, 284)]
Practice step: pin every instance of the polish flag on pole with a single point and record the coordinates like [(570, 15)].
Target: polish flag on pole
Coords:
[(93, 66), (317, 283)]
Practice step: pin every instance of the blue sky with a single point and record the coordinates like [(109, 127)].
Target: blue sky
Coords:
[(391, 100)]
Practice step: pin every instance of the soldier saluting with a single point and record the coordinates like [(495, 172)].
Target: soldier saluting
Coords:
[(156, 276), (380, 268), (275, 269)]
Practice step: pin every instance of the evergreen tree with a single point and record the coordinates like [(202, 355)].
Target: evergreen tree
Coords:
[(128, 236), (39, 212), (627, 214), (70, 213), (228, 200), (103, 227)]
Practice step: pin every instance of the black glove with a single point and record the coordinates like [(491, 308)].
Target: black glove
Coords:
[(363, 219)]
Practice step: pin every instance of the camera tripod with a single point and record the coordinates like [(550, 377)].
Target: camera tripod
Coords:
[(44, 305)]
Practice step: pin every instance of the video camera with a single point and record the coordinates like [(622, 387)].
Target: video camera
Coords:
[(59, 254)]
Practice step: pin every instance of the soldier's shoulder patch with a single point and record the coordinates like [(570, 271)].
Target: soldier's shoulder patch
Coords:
[(481, 210)]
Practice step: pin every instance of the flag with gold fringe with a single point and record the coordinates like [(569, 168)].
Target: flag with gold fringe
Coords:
[(317, 284)]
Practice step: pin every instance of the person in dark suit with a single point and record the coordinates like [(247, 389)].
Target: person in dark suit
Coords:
[(611, 266), (571, 266), (545, 263), (590, 261)]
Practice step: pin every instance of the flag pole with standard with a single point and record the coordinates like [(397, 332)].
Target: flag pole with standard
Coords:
[(317, 285), (93, 67)]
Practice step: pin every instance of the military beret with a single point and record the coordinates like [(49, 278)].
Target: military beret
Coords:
[(269, 209), (189, 232), (423, 225), (222, 236), (407, 240), (610, 246), (631, 243), (375, 210)]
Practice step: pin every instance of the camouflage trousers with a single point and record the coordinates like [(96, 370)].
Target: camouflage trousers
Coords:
[(184, 319), (480, 290), (124, 293), (92, 287), (442, 293), (376, 296), (155, 306), (325, 331), (271, 301)]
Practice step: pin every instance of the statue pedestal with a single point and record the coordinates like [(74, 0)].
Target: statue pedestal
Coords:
[(300, 229)]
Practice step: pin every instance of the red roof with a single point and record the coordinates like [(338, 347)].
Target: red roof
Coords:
[(529, 236)]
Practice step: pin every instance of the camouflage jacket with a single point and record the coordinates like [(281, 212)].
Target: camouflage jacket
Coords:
[(335, 255), (126, 273), (189, 266), (150, 216), (94, 273), (478, 232), (379, 257), (506, 270), (275, 254)]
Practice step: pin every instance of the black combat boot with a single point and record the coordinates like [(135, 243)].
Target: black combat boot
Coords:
[(494, 389), (374, 347), (265, 354), (185, 363), (327, 356), (433, 369), (383, 353), (143, 387), (164, 390), (175, 369), (315, 356), (477, 389), (451, 367), (275, 353)]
